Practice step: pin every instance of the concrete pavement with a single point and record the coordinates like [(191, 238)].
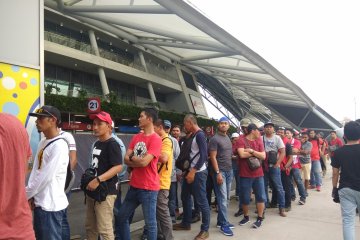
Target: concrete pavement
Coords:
[(318, 219)]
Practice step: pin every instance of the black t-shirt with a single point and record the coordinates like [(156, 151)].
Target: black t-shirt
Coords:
[(105, 155), (347, 159)]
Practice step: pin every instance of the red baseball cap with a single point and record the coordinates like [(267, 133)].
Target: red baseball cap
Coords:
[(103, 116)]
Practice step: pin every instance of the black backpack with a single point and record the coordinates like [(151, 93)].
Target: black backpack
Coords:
[(183, 162)]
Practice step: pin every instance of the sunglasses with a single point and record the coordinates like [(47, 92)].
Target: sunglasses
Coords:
[(41, 110)]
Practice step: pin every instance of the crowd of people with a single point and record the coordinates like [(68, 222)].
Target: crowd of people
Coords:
[(157, 161)]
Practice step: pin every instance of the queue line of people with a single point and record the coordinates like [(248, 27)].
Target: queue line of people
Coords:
[(257, 161)]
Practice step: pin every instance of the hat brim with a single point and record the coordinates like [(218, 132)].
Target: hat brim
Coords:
[(269, 124), (100, 117), (40, 115)]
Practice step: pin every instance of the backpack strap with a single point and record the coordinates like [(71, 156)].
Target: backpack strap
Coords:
[(162, 164), (42, 150)]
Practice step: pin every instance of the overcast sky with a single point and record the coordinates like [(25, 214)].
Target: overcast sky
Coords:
[(315, 44)]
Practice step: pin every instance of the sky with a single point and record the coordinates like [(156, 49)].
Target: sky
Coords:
[(315, 44)]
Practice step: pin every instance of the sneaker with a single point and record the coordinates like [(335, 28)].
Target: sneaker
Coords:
[(312, 187), (231, 226), (258, 222), (226, 231), (272, 205), (244, 221), (287, 209), (293, 198), (239, 213), (282, 212), (301, 202), (196, 218), (202, 235), (180, 226), (180, 216), (318, 188)]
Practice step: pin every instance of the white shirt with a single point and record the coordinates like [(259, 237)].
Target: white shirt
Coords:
[(46, 184), (69, 139)]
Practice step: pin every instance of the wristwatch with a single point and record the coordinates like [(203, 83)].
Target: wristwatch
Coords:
[(98, 179)]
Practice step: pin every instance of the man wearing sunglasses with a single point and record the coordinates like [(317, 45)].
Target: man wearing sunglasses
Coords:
[(45, 189)]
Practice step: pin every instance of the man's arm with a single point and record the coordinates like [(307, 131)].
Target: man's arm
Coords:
[(138, 161), (166, 150), (213, 160), (73, 159), (335, 177), (104, 177), (280, 157)]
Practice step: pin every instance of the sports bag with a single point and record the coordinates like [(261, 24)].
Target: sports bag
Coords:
[(183, 162), (100, 193), (253, 162)]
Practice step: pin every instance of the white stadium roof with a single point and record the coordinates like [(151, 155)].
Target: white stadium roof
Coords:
[(241, 80)]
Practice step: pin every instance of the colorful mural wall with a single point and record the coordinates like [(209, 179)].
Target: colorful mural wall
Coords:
[(20, 95)]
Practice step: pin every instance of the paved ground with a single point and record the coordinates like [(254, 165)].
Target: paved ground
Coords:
[(318, 219)]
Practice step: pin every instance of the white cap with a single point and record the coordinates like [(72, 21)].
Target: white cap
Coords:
[(235, 135)]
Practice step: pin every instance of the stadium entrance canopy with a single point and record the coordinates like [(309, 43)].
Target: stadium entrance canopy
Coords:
[(241, 80)]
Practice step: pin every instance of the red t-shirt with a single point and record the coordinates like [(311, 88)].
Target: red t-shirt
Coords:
[(244, 170), (296, 161), (15, 214), (336, 142), (146, 177), (315, 151)]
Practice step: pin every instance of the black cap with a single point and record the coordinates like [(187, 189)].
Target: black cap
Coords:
[(251, 127), (281, 128), (47, 111), (269, 123)]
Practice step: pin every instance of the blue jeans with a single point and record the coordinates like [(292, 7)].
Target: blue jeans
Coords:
[(172, 198), (48, 225), (255, 184), (235, 167), (296, 175), (278, 193), (198, 190), (266, 184), (117, 206), (222, 196), (349, 201), (315, 174), (133, 199)]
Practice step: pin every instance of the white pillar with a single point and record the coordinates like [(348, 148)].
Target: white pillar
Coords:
[(149, 85), (101, 72), (184, 88)]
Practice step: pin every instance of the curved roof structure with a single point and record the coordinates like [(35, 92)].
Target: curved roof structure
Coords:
[(241, 80)]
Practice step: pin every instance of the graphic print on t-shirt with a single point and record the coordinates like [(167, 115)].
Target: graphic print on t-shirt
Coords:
[(140, 149), (95, 160), (270, 143)]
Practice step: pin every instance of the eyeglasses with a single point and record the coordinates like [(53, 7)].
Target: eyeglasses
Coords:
[(41, 110)]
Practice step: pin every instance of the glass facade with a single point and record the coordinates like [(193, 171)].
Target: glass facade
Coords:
[(68, 82)]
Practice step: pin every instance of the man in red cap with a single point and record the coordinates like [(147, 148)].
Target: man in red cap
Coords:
[(107, 161)]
